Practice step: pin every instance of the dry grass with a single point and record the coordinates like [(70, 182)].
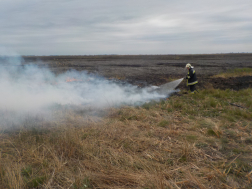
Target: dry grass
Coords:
[(237, 72), (190, 141)]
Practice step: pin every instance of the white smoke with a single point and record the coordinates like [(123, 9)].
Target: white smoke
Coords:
[(29, 89)]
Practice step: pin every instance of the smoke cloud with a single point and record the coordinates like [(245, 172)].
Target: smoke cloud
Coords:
[(27, 89)]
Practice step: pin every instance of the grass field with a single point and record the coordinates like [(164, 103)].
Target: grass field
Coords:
[(187, 141), (238, 72)]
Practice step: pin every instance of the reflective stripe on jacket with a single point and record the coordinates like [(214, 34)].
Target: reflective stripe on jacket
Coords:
[(191, 77)]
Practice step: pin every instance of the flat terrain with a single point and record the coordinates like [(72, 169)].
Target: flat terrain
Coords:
[(145, 70), (199, 141)]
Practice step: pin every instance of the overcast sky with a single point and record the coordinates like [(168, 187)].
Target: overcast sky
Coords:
[(83, 27)]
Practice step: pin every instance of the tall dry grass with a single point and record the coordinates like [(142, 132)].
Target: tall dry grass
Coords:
[(188, 141)]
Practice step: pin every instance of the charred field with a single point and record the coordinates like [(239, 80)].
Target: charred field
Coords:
[(196, 141), (145, 70)]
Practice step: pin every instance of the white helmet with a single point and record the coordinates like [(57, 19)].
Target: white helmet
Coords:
[(188, 65)]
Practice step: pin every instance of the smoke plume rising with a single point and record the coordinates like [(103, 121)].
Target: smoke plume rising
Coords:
[(27, 89)]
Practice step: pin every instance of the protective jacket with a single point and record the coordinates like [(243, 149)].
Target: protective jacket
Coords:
[(191, 77)]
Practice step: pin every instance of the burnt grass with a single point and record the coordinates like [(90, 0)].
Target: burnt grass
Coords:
[(143, 70)]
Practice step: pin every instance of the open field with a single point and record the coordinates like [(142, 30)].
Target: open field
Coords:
[(189, 141), (185, 141), (154, 69)]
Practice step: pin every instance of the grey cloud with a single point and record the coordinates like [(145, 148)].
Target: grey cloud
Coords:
[(28, 26)]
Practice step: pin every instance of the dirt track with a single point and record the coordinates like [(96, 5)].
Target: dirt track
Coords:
[(145, 70)]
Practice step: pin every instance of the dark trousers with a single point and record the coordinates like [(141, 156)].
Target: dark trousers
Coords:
[(192, 88)]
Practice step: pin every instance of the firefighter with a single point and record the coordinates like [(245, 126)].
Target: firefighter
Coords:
[(191, 77)]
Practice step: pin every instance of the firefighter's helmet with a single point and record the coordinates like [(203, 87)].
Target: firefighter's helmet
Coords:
[(188, 65)]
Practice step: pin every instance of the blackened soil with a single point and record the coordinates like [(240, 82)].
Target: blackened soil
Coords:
[(143, 70), (236, 83)]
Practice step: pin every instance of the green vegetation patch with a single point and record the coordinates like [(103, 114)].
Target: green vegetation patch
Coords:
[(27, 171), (211, 132), (201, 145), (36, 182), (163, 123), (191, 138), (237, 72)]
